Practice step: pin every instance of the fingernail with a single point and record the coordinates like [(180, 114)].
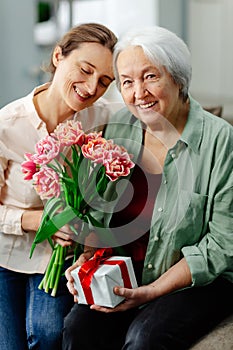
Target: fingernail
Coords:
[(120, 291)]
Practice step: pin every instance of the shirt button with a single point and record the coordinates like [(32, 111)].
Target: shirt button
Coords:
[(173, 155), (165, 182), (156, 238), (160, 210), (150, 266)]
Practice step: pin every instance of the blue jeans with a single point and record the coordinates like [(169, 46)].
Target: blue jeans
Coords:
[(31, 318)]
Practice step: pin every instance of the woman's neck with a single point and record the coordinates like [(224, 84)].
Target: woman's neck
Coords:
[(51, 111), (168, 130), (161, 138)]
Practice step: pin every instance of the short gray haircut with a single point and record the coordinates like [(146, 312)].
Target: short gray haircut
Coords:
[(164, 49)]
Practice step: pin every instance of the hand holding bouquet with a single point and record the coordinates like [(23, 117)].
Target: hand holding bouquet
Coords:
[(70, 170)]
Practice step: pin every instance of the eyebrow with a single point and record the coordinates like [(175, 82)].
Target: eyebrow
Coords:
[(147, 68), (93, 66)]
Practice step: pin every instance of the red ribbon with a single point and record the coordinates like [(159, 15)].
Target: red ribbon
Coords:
[(87, 270)]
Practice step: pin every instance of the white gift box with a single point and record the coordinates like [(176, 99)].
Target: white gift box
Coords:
[(104, 279)]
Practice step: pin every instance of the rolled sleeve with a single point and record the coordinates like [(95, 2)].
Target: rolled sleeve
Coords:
[(197, 265), (213, 255), (11, 221)]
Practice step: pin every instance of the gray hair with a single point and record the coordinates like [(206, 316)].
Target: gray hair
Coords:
[(164, 49)]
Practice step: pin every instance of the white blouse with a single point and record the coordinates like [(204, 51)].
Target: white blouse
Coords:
[(20, 129)]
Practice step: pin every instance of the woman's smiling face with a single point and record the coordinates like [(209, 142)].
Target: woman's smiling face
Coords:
[(148, 90), (84, 75)]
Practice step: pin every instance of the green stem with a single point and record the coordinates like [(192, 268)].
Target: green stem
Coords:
[(61, 258), (48, 270), (58, 275), (59, 167), (54, 268)]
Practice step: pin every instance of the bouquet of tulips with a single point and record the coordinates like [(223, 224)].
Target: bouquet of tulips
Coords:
[(70, 170)]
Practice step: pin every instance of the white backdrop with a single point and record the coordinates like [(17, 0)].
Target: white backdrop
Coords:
[(118, 15)]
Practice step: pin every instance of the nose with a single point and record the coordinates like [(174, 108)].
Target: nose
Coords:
[(91, 85), (140, 90)]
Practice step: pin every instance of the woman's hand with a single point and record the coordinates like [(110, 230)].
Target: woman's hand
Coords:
[(64, 236), (86, 255), (133, 298), (31, 220)]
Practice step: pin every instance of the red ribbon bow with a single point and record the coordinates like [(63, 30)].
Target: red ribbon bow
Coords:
[(87, 270)]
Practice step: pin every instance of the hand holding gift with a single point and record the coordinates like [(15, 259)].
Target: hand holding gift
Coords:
[(96, 278)]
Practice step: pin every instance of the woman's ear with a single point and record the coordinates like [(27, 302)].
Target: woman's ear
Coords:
[(57, 55)]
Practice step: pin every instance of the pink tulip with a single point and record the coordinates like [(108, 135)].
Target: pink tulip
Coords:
[(117, 162), (94, 149), (70, 133), (46, 183), (92, 136), (28, 167), (46, 150)]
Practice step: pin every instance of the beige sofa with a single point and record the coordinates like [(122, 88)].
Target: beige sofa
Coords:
[(220, 338)]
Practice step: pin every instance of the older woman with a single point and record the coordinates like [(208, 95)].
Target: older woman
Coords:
[(178, 225)]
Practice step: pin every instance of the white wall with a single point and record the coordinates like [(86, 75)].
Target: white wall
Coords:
[(118, 15), (210, 40), (208, 33), (19, 56), (172, 15)]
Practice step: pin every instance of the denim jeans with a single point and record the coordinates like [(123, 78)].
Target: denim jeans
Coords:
[(31, 318)]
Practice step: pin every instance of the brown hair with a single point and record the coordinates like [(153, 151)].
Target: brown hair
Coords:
[(83, 33)]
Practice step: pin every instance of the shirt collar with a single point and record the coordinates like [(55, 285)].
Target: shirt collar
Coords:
[(193, 130), (37, 122)]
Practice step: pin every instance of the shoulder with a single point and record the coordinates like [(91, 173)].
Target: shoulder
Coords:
[(203, 129), (200, 114), (217, 130), (17, 120), (17, 108)]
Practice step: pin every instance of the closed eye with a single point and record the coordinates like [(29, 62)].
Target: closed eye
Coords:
[(105, 83), (85, 71)]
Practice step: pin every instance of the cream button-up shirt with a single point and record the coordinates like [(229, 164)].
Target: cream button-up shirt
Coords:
[(20, 129)]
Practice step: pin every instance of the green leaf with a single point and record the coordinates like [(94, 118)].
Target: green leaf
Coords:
[(51, 207), (102, 181), (83, 172), (76, 155), (53, 224), (93, 221), (68, 181), (104, 234)]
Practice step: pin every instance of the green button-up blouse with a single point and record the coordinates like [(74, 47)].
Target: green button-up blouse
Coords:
[(193, 212)]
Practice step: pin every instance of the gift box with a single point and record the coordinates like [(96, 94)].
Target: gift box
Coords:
[(95, 279)]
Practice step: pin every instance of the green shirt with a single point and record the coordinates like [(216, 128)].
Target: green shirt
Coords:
[(193, 212)]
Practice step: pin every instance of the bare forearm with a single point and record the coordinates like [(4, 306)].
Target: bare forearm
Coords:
[(31, 220), (177, 277)]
